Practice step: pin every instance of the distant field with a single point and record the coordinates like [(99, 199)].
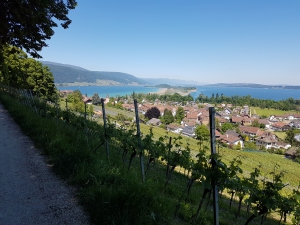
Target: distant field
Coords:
[(269, 112)]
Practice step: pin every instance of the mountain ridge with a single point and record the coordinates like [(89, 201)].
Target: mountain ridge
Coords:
[(67, 75)]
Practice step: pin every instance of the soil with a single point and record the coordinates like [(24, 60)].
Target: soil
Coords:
[(29, 191)]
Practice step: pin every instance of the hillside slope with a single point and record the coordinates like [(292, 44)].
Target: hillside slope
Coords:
[(68, 75)]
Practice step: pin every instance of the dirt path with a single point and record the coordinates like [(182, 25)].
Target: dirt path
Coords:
[(29, 192)]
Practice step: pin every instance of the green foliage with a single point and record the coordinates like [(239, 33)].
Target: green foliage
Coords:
[(28, 24), (285, 105), (250, 145), (120, 117), (168, 116), (202, 133), (76, 101), (68, 74), (96, 100), (255, 123), (21, 72), (180, 114), (290, 137), (111, 192), (226, 126)]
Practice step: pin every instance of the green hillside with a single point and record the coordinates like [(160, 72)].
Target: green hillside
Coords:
[(68, 74)]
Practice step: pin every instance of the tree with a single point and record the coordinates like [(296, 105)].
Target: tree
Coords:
[(202, 133), (76, 101), (168, 116), (28, 24), (179, 114), (21, 72), (90, 110), (226, 126), (152, 113), (255, 123), (96, 99)]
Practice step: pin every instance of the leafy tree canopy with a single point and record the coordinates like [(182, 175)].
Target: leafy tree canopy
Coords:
[(76, 101), (179, 114), (202, 133), (226, 126), (168, 116), (21, 72), (27, 24), (152, 113), (96, 99)]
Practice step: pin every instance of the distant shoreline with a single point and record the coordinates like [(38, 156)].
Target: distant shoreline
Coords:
[(171, 91)]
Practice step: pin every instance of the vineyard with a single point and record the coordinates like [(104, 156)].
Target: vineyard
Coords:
[(126, 176)]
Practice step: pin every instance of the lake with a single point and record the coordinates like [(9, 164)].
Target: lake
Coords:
[(112, 91), (261, 93)]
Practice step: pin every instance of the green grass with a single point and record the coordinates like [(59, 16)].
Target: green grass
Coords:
[(111, 193), (281, 135), (269, 112)]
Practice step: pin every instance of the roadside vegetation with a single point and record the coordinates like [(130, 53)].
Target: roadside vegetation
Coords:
[(111, 188)]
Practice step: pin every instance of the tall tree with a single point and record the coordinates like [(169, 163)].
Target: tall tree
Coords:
[(22, 72), (202, 133), (168, 116), (27, 24), (76, 101), (96, 99), (179, 114)]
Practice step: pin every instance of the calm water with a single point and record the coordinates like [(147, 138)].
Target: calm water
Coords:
[(262, 93), (112, 91)]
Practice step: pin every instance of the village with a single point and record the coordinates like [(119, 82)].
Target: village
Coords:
[(235, 125)]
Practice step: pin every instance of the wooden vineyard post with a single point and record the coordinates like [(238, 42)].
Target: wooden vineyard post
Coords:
[(104, 123), (212, 113), (85, 112), (67, 105), (138, 134)]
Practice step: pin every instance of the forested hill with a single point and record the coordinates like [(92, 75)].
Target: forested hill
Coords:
[(67, 75)]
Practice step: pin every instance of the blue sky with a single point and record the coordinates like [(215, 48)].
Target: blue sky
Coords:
[(248, 41)]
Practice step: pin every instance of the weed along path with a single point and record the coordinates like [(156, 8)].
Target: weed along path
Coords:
[(29, 192)]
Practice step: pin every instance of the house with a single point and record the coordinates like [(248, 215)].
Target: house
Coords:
[(86, 99), (266, 142), (189, 131), (250, 131), (174, 128), (265, 122), (244, 120), (231, 140), (232, 133), (297, 137), (281, 144), (295, 124), (276, 118), (280, 126), (154, 122), (291, 153)]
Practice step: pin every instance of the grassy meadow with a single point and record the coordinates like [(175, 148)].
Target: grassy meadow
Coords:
[(269, 112)]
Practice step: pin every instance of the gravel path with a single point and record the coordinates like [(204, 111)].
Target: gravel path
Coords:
[(29, 192)]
